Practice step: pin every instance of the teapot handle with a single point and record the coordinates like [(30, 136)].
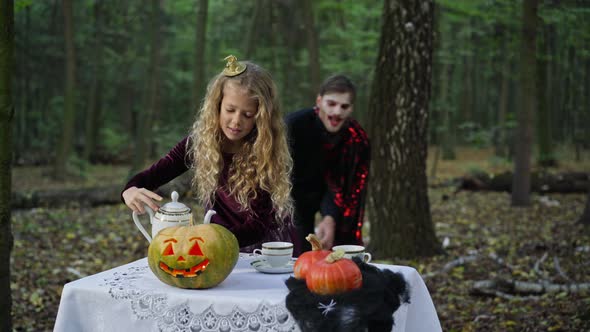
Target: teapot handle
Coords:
[(140, 226), (207, 219)]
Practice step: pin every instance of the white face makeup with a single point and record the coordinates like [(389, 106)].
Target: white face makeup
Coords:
[(335, 109), (237, 116)]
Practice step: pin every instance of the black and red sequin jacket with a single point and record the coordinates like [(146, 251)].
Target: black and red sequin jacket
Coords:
[(337, 165)]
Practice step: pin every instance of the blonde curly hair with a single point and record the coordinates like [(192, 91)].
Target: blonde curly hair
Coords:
[(263, 162)]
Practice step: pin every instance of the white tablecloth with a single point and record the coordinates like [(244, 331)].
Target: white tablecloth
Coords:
[(131, 298)]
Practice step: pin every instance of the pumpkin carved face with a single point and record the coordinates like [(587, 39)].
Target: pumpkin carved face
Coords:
[(198, 256)]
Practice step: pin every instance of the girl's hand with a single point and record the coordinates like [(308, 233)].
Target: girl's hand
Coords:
[(135, 198)]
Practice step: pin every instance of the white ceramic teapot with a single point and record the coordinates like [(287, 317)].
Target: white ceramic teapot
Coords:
[(170, 214)]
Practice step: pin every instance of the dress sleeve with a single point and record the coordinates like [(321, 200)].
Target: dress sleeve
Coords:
[(164, 170), (256, 226)]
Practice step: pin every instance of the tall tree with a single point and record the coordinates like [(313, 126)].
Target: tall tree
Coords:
[(447, 142), (290, 36), (67, 133), (313, 50), (256, 28), (199, 81), (95, 100), (585, 217), (401, 224), (468, 91), (145, 119), (521, 181), (6, 116), (545, 155), (500, 139)]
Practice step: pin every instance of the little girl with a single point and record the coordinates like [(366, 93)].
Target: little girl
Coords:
[(238, 151)]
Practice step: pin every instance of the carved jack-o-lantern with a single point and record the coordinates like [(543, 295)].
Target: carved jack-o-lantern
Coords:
[(199, 256)]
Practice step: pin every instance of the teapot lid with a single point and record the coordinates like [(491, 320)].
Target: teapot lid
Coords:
[(174, 207)]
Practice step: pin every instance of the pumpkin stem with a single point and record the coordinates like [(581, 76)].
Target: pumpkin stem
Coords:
[(335, 256), (208, 216), (315, 242)]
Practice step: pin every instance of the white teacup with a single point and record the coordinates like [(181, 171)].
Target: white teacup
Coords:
[(276, 254), (351, 250)]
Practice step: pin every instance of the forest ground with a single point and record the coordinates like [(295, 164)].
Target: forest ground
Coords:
[(542, 242)]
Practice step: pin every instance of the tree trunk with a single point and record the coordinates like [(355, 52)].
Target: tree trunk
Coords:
[(585, 217), (468, 88), (288, 32), (22, 129), (251, 39), (6, 116), (95, 101), (199, 80), (65, 143), (545, 157), (500, 139), (125, 91), (448, 141), (144, 134), (401, 224), (313, 50), (568, 93), (578, 112), (521, 185)]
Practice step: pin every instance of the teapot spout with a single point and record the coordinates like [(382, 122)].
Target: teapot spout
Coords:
[(208, 216)]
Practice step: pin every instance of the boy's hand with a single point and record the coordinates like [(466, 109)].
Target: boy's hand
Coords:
[(325, 230)]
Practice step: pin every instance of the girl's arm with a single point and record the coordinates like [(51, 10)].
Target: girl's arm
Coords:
[(138, 191)]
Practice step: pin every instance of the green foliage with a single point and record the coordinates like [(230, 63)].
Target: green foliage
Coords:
[(475, 170), (474, 135), (499, 162), (22, 4), (482, 33), (113, 141)]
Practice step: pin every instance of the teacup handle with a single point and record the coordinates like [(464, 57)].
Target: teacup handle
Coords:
[(257, 252), (140, 226), (367, 257)]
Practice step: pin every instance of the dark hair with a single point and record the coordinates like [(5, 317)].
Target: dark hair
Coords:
[(340, 84)]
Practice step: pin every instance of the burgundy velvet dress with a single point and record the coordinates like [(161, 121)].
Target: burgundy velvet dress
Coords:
[(251, 228)]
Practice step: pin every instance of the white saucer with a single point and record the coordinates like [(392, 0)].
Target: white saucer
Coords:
[(262, 266)]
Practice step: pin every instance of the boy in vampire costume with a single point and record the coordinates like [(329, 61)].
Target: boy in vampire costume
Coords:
[(331, 155)]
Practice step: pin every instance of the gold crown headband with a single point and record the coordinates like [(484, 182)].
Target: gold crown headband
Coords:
[(233, 67)]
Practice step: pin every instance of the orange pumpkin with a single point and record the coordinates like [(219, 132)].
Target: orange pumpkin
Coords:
[(199, 256), (308, 258), (333, 275)]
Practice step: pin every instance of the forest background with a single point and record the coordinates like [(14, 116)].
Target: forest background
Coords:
[(101, 89)]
